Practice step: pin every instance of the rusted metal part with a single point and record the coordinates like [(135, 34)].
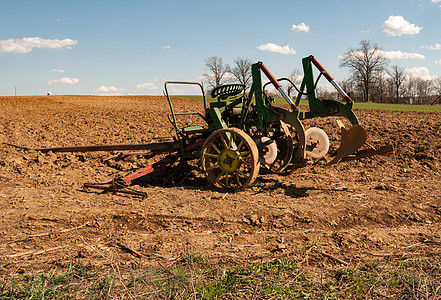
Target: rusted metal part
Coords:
[(154, 147), (149, 169), (383, 150), (120, 185), (194, 146), (351, 140), (150, 153)]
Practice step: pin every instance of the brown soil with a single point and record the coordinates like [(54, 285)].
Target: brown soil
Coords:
[(377, 207)]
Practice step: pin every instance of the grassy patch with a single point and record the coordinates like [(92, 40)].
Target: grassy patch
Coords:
[(51, 284), (193, 276), (397, 107)]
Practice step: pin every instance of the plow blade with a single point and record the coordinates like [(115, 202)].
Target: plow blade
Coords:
[(351, 140), (383, 150)]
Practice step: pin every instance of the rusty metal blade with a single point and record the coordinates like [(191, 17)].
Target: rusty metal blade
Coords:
[(351, 140)]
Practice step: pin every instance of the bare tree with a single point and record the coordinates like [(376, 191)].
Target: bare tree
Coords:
[(418, 89), (350, 87), (324, 93), (365, 63), (378, 88), (410, 88), (437, 85), (389, 91), (242, 71), (424, 88), (295, 78), (217, 70), (398, 77)]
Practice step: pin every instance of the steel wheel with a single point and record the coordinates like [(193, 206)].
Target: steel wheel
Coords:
[(230, 159)]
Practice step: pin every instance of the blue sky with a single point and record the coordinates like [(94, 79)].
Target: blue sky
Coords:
[(132, 47)]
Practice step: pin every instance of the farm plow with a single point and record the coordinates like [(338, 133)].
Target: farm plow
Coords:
[(240, 133)]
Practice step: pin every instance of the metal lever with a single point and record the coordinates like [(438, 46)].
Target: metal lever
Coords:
[(277, 85), (330, 78)]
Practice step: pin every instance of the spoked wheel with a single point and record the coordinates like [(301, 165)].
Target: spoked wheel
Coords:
[(230, 159)]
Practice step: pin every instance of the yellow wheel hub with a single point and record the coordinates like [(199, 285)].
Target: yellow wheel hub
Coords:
[(228, 160)]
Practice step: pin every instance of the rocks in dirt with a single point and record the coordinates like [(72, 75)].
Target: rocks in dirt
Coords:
[(412, 216), (280, 247), (437, 209), (253, 220), (424, 156), (344, 239), (385, 187)]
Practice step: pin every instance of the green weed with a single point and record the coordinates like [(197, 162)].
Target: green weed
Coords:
[(192, 276)]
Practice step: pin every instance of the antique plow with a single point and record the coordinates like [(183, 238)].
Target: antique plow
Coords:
[(242, 132)]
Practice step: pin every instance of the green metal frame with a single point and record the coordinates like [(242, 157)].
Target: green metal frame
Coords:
[(267, 116), (317, 107), (239, 112), (186, 134)]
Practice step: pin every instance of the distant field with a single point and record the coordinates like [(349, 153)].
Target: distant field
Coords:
[(398, 107), (360, 105)]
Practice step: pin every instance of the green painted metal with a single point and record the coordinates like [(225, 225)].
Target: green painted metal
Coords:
[(254, 113), (215, 120), (189, 134), (317, 107), (267, 116)]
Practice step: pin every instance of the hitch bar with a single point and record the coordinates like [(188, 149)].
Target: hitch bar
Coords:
[(154, 147)]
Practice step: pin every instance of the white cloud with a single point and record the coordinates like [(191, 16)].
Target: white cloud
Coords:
[(433, 47), (58, 71), (387, 54), (276, 48), (109, 91), (64, 80), (184, 90), (106, 89), (397, 26), (438, 62), (27, 44), (402, 55), (436, 1), (301, 27), (420, 72), (166, 47), (227, 75), (147, 86)]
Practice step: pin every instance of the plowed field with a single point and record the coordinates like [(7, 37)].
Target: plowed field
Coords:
[(378, 207)]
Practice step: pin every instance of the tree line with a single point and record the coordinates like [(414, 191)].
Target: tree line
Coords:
[(371, 78)]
